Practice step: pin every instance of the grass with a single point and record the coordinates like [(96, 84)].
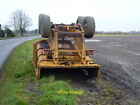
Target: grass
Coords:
[(2, 38), (17, 36), (117, 35), (19, 87)]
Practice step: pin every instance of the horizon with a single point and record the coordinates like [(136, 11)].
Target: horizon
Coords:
[(109, 15)]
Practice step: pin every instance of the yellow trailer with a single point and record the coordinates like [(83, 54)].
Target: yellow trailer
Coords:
[(64, 48)]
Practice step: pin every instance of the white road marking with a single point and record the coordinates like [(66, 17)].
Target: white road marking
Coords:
[(92, 40)]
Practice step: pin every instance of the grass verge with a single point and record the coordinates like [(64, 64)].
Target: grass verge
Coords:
[(19, 87), (2, 38), (117, 35)]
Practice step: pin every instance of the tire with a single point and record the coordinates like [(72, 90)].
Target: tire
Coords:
[(44, 25), (88, 24), (80, 20), (37, 73), (93, 73)]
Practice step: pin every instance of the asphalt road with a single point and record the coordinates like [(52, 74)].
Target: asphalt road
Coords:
[(119, 56), (6, 46)]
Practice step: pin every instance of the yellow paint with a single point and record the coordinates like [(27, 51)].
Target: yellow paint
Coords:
[(74, 56)]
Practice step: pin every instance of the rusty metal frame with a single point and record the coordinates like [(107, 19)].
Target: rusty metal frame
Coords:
[(51, 57)]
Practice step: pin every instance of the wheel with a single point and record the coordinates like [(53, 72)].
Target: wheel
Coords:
[(37, 73), (89, 27), (44, 25), (80, 20), (88, 24), (93, 73)]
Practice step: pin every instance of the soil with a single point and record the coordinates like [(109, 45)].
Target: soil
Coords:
[(120, 57), (119, 82)]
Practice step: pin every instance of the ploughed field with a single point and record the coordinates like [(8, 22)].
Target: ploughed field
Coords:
[(120, 57)]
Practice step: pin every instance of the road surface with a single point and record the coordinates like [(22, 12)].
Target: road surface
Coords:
[(6, 46)]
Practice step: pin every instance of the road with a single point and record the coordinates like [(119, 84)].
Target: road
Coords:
[(6, 46), (120, 57)]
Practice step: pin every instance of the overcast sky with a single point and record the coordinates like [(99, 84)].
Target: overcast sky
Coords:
[(110, 15)]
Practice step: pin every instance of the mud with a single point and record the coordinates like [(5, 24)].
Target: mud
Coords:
[(120, 73), (105, 91), (119, 82), (120, 58)]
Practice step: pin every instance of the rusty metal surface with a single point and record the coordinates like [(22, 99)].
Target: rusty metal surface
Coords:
[(64, 48)]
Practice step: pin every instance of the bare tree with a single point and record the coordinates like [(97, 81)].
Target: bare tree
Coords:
[(20, 21)]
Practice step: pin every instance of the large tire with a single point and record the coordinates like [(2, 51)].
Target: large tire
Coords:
[(80, 20), (88, 24), (44, 25)]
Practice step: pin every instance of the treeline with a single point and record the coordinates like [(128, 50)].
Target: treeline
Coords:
[(19, 22), (6, 32)]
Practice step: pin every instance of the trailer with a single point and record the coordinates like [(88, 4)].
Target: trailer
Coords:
[(63, 46)]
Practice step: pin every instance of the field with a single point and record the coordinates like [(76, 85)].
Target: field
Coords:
[(120, 50), (19, 87), (116, 35)]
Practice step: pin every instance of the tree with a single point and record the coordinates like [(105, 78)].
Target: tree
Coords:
[(1, 32), (20, 21), (9, 32)]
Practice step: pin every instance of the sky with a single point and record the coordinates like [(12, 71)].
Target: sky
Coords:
[(110, 15)]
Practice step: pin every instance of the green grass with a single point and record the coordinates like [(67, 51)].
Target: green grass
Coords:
[(2, 38), (19, 87), (117, 35)]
